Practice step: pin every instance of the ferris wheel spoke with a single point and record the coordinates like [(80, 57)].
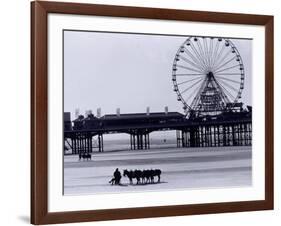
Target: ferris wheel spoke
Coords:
[(215, 53), (228, 74), (219, 55), (189, 74), (194, 58), (193, 95), (201, 52), (205, 44), (181, 83), (229, 86), (189, 87), (228, 95), (207, 52), (225, 69), (194, 99), (210, 52), (228, 79), (188, 68), (222, 56), (222, 59), (198, 94), (191, 63), (226, 91), (222, 90), (222, 65), (198, 55)]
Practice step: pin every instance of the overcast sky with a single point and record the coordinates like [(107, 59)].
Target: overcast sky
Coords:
[(127, 71)]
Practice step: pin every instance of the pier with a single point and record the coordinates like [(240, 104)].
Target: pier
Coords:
[(226, 129)]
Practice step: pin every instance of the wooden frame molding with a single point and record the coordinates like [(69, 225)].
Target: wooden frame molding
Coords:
[(39, 107)]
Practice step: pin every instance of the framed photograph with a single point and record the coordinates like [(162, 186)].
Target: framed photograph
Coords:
[(146, 112)]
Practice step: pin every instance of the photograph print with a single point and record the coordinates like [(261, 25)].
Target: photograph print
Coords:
[(154, 112)]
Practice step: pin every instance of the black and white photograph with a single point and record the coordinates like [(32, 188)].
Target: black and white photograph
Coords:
[(155, 112)]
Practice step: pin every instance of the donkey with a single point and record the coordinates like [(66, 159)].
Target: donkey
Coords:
[(148, 175), (129, 174), (138, 175), (157, 173)]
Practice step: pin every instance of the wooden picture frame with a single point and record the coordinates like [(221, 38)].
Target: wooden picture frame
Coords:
[(39, 109)]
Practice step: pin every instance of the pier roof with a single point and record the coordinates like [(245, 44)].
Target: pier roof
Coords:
[(143, 115)]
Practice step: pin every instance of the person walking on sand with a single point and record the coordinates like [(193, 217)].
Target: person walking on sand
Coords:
[(117, 176)]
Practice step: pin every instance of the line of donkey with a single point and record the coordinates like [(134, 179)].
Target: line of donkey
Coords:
[(142, 176), (84, 156)]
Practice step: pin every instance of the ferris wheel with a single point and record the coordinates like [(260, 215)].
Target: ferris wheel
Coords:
[(208, 75)]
